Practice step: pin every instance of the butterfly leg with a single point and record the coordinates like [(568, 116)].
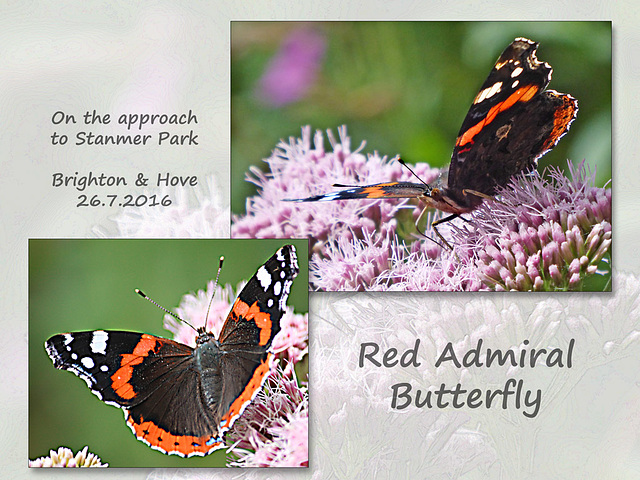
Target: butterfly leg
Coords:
[(435, 224), (423, 233), (444, 243)]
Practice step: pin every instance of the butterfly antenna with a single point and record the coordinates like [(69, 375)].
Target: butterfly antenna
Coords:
[(414, 173), (206, 319), (143, 295)]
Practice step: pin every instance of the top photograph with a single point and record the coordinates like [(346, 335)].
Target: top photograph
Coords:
[(427, 156)]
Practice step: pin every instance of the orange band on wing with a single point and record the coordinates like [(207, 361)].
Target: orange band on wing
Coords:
[(184, 445), (253, 312), (376, 191), (250, 391), (523, 94), (561, 121), (120, 379)]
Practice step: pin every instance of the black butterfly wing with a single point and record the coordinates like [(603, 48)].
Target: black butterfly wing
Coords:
[(511, 123), (118, 367), (254, 319), (248, 331), (152, 379)]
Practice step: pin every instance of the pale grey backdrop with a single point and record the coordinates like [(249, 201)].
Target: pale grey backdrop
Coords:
[(78, 55)]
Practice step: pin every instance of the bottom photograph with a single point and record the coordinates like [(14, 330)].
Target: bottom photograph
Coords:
[(200, 345)]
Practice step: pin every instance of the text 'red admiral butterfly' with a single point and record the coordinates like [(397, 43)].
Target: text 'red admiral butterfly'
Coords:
[(512, 122), (177, 399)]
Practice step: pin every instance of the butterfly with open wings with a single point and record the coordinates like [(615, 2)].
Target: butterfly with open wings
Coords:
[(177, 399)]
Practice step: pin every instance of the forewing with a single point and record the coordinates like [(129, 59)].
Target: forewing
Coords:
[(254, 319), (511, 123)]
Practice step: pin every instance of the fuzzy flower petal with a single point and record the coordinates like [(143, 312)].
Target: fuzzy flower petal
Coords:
[(383, 263), (418, 268), (542, 234), (350, 263), (64, 457), (274, 430), (194, 212)]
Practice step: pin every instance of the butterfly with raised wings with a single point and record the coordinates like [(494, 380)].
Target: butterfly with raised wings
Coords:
[(512, 122)]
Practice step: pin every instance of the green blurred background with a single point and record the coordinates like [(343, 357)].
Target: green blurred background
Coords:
[(405, 87), (89, 285)]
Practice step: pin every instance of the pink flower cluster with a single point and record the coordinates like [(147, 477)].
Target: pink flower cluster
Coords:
[(274, 429), (353, 242), (544, 234), (538, 235)]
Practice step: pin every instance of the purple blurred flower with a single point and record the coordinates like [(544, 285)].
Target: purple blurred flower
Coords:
[(294, 69), (368, 244), (274, 430), (64, 457)]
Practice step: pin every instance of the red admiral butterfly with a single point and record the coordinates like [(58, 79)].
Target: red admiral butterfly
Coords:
[(177, 399), (512, 122)]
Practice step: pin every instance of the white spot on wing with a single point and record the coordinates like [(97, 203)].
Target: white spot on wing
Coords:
[(264, 278), (488, 92), (294, 257), (87, 362), (277, 288), (99, 342), (328, 197), (517, 71), (283, 299)]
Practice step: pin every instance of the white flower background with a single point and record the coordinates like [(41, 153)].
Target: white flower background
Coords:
[(589, 423)]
